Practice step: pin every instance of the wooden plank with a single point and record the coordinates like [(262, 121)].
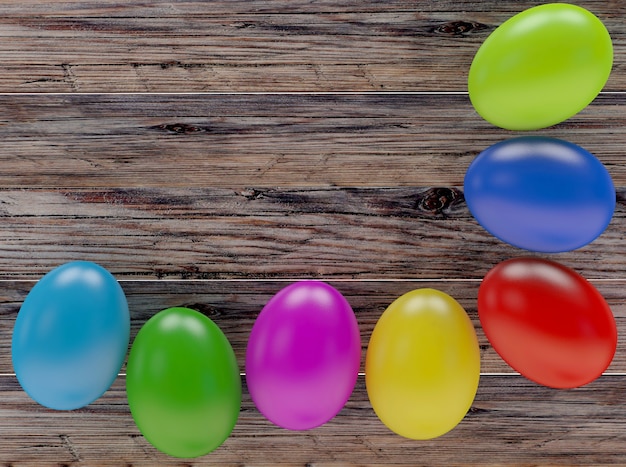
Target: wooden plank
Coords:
[(275, 140), (192, 8), (511, 421), (107, 46), (234, 306), (219, 200), (349, 233)]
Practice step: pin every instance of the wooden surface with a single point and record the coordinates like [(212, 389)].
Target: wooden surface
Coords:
[(208, 153)]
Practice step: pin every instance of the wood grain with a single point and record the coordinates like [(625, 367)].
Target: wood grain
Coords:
[(237, 46), (511, 420), (349, 233), (267, 140), (209, 153)]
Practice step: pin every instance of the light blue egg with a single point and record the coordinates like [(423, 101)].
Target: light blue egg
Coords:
[(71, 336)]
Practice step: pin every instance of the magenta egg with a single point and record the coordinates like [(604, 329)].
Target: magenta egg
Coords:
[(303, 355)]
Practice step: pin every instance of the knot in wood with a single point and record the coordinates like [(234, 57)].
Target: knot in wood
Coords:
[(252, 193), (459, 28), (438, 200), (179, 128)]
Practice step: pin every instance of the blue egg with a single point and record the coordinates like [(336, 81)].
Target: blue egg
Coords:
[(540, 194), (71, 336)]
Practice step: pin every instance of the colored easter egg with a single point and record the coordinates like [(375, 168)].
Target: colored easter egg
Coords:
[(540, 194), (540, 67), (547, 322), (71, 336), (303, 355), (422, 365), (183, 383)]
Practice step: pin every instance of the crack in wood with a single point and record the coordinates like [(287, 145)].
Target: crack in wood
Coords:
[(69, 77), (67, 442), (366, 443), (139, 441), (366, 74)]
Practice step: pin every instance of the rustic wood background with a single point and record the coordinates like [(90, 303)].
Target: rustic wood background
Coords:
[(209, 152)]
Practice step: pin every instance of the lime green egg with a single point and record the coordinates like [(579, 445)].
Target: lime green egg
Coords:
[(540, 67)]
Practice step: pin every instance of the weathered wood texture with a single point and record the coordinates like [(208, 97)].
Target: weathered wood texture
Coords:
[(512, 421), (80, 46), (266, 140), (349, 233), (250, 143)]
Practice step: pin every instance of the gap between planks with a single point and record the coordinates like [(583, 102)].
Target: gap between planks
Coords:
[(361, 374), (324, 279), (260, 93)]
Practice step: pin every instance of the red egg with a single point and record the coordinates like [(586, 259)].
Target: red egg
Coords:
[(547, 322)]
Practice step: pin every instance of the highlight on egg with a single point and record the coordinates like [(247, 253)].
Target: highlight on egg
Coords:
[(183, 383), (540, 67), (71, 336), (303, 355), (422, 365)]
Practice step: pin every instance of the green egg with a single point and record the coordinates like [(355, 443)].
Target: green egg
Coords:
[(540, 67), (183, 383)]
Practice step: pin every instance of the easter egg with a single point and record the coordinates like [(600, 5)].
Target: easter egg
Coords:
[(547, 322), (183, 383), (540, 194), (71, 336), (422, 364), (303, 355), (540, 67)]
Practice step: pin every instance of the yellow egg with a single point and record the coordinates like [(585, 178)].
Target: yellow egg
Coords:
[(422, 365)]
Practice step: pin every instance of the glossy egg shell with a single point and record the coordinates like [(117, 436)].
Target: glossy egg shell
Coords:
[(183, 383), (303, 355), (540, 194), (540, 67), (422, 366), (547, 322), (71, 336)]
